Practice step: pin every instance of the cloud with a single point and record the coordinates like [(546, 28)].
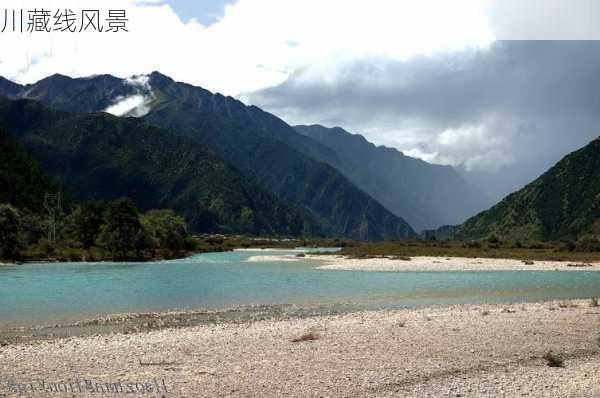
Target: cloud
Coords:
[(255, 44), (136, 105), (425, 76), (483, 109)]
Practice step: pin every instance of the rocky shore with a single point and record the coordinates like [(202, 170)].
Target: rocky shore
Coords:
[(431, 264), (469, 350)]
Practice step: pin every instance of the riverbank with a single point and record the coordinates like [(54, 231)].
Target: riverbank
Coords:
[(468, 350), (446, 264), (335, 262)]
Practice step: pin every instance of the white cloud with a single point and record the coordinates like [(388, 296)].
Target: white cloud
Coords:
[(136, 105), (249, 48)]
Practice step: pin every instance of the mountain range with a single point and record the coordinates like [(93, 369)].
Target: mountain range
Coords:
[(232, 168), (256, 144), (426, 195), (102, 157)]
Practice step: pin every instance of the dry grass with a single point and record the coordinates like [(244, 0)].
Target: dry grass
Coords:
[(548, 251), (485, 313), (310, 336), (566, 304), (594, 302)]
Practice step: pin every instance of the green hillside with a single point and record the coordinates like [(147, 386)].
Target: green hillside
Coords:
[(564, 203), (102, 157), (261, 146)]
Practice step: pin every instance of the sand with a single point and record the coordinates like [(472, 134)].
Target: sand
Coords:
[(469, 351), (431, 264)]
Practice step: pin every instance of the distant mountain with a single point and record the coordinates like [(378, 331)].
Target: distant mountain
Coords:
[(23, 183), (563, 203), (102, 157), (260, 145), (426, 195)]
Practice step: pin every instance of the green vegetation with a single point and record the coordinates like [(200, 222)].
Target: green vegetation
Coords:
[(22, 180), (553, 360), (97, 231), (562, 204), (99, 157), (487, 248), (266, 148), (9, 231), (183, 174)]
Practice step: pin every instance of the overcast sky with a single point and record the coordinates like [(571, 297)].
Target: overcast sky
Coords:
[(432, 78)]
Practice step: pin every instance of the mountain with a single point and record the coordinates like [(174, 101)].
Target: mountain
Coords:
[(102, 157), (260, 145), (23, 183), (564, 203), (426, 195)]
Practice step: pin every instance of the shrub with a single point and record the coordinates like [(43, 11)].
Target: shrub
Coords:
[(493, 239), (588, 243), (553, 360), (518, 245), (9, 232), (472, 244), (594, 302)]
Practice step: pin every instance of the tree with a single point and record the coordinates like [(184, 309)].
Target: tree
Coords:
[(121, 231), (247, 220), (9, 232), (86, 222), (166, 229)]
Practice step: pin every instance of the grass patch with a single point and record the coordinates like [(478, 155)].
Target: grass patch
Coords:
[(553, 360), (310, 336), (527, 252)]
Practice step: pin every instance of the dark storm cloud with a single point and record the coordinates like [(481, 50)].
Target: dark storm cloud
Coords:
[(514, 103)]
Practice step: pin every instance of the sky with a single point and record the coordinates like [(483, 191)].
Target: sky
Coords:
[(462, 82)]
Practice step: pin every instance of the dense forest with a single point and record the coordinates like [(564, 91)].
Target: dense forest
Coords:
[(84, 231)]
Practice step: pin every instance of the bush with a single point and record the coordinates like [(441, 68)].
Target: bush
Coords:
[(493, 239), (553, 360), (121, 233), (9, 232), (518, 245), (472, 244), (569, 245), (588, 243)]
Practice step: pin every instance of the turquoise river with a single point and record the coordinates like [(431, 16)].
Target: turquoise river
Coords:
[(57, 292)]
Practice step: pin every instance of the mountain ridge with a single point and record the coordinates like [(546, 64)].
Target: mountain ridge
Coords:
[(563, 203), (426, 195), (98, 156), (260, 145)]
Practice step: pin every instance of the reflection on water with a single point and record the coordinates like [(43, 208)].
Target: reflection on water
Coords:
[(58, 292)]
